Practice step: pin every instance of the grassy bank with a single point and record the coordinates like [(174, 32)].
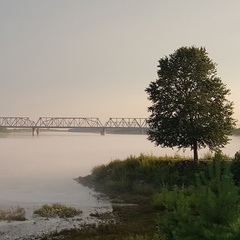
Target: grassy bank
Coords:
[(146, 174), (170, 193)]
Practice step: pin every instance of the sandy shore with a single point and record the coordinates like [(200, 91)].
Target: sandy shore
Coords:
[(35, 227), (39, 227)]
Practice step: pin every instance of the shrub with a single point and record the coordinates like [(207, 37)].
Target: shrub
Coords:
[(145, 237), (17, 214), (142, 188), (98, 173), (235, 168), (212, 212), (57, 210), (167, 200), (144, 174)]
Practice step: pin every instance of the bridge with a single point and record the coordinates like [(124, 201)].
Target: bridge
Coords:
[(73, 123)]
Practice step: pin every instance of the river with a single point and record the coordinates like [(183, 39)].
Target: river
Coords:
[(40, 169), (35, 170)]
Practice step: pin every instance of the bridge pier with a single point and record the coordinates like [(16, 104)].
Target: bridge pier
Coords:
[(103, 131), (37, 130)]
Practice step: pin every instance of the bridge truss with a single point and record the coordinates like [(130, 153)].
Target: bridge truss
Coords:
[(16, 122), (126, 123), (68, 122), (54, 122)]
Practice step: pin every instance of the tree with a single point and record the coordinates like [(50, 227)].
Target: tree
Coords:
[(189, 105)]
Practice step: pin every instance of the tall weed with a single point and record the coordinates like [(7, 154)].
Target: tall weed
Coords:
[(13, 214)]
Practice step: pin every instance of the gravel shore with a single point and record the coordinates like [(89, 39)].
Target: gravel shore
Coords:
[(35, 227)]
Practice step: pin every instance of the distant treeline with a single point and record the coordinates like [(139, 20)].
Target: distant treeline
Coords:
[(236, 131), (111, 130), (4, 130)]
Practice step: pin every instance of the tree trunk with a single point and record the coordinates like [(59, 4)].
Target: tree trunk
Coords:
[(195, 151)]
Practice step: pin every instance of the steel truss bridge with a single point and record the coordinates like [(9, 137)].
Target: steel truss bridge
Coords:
[(73, 123)]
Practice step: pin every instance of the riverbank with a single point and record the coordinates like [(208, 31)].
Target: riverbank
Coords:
[(132, 220), (131, 185), (133, 215), (38, 228), (151, 213), (124, 218)]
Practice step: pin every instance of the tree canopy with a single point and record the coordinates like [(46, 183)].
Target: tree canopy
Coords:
[(189, 105)]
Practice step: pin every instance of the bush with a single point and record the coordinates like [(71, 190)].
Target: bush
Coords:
[(142, 237), (235, 168), (210, 212), (167, 200), (17, 214), (141, 188), (57, 210), (145, 174)]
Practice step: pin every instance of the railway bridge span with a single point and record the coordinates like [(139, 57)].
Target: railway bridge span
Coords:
[(73, 123)]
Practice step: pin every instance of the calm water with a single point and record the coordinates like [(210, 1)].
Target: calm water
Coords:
[(40, 169)]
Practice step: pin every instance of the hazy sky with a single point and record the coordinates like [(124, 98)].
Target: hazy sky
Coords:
[(94, 58)]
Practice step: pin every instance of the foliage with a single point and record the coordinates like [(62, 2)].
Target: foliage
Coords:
[(166, 200), (174, 203), (236, 131), (189, 105), (210, 212), (144, 237), (145, 174), (14, 214), (57, 210), (235, 168), (4, 130)]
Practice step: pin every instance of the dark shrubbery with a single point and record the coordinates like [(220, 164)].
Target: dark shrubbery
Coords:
[(235, 168), (145, 173), (194, 200), (208, 211)]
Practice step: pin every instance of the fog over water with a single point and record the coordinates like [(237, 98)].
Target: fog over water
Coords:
[(40, 169)]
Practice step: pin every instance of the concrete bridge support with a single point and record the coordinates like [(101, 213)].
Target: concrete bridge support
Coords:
[(103, 131), (35, 130)]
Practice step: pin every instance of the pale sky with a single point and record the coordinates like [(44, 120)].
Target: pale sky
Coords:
[(94, 58)]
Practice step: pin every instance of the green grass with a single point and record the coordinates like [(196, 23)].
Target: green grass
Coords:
[(157, 186), (146, 174)]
